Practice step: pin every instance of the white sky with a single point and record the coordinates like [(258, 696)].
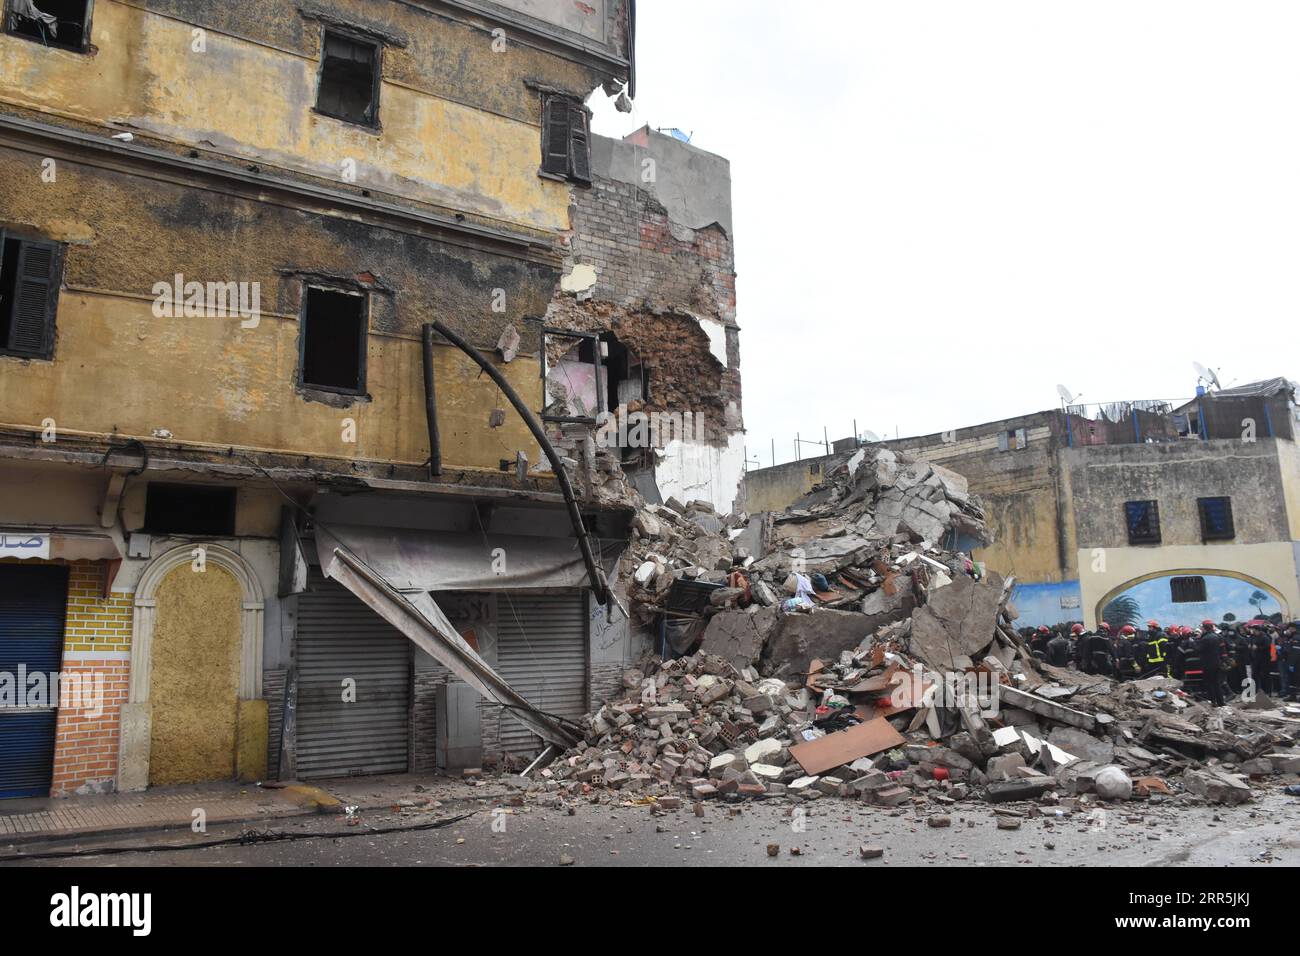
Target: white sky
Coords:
[(944, 208)]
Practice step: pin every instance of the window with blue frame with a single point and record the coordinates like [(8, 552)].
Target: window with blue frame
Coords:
[(1216, 519), (1143, 521)]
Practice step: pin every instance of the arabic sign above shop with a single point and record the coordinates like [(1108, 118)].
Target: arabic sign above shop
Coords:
[(24, 544)]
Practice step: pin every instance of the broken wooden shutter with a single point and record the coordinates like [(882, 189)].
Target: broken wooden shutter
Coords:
[(579, 144), (36, 295), (555, 137)]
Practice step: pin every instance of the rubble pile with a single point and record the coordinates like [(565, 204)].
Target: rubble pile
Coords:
[(874, 725), (851, 540), (897, 678)]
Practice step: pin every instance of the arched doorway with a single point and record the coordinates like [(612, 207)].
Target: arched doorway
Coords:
[(194, 710), (195, 677)]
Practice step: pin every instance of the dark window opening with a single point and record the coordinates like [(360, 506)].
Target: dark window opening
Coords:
[(334, 341), (190, 509), (60, 23), (566, 139), (1188, 590), (29, 296), (349, 80), (1216, 519), (1143, 519)]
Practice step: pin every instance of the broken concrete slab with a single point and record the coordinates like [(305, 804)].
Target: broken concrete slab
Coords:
[(1046, 708), (1082, 745), (959, 621), (802, 638), (1023, 789), (1216, 786)]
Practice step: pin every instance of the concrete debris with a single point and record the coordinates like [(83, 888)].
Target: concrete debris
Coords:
[(866, 542), (852, 659), (1111, 783), (873, 726)]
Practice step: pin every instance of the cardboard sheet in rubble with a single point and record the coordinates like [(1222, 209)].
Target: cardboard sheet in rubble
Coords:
[(846, 746)]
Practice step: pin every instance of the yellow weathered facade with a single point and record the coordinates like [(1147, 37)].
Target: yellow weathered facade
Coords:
[(188, 142)]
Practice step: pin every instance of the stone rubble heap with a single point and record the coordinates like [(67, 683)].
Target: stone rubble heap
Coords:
[(873, 509), (901, 681), (700, 728)]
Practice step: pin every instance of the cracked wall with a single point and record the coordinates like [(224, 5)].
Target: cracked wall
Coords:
[(653, 227)]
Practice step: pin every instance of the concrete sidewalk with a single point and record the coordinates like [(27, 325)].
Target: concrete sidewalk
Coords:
[(173, 808), (164, 808)]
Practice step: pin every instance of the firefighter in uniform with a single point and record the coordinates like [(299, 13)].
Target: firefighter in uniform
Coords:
[(1058, 649), (1210, 651), (1100, 659), (1125, 664), (1154, 660)]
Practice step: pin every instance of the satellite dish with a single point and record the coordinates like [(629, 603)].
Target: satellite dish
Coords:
[(1206, 375), (1066, 395), (870, 437)]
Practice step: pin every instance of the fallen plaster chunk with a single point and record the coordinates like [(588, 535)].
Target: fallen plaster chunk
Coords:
[(508, 344), (581, 279)]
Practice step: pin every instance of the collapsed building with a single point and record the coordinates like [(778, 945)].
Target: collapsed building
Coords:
[(292, 479), (897, 679)]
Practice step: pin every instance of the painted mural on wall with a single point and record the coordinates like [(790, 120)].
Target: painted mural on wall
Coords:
[(1226, 600), (1047, 604)]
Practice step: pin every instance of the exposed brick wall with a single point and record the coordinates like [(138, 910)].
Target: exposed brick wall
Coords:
[(424, 719), (96, 623), (606, 683), (97, 656), (652, 276), (643, 260)]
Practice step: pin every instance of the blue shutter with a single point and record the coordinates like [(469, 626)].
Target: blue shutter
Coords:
[(33, 606)]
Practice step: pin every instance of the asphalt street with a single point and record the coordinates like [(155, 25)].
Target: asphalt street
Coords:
[(828, 832)]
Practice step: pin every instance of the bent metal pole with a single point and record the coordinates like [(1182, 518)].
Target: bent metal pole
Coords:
[(594, 571)]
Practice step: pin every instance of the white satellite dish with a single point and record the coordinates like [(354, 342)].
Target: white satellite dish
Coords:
[(870, 437), (1066, 395), (1206, 375)]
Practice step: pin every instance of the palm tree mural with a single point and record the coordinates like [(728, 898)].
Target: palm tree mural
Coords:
[(1257, 599), (1123, 610)]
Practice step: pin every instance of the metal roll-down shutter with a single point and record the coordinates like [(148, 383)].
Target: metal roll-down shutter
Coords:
[(542, 653), (339, 637), (33, 609)]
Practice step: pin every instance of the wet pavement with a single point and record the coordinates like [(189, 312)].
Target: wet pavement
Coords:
[(828, 832)]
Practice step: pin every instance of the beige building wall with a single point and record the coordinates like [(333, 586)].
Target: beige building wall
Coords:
[(1106, 572)]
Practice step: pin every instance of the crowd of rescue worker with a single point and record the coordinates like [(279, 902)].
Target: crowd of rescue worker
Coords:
[(1214, 662)]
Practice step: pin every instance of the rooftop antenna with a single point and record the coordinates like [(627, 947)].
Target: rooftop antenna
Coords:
[(1206, 375), (1067, 397)]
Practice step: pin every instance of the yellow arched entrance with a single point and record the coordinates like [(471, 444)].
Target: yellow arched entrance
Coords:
[(1204, 572)]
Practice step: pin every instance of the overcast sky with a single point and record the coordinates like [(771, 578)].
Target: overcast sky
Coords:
[(944, 208)]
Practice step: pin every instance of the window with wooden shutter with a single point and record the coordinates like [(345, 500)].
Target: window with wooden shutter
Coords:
[(555, 137), (566, 139), (579, 144), (29, 293)]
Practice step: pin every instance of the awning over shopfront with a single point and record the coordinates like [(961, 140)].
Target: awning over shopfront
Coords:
[(416, 560), (57, 545), (394, 571)]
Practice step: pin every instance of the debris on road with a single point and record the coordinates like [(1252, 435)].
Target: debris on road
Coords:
[(850, 656)]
